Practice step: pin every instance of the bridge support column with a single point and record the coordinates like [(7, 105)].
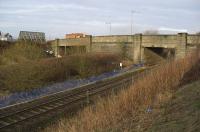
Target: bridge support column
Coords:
[(89, 46), (137, 53), (87, 43), (65, 50), (142, 57), (56, 47), (181, 45)]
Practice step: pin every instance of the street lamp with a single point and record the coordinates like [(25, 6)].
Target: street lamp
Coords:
[(109, 23), (132, 12)]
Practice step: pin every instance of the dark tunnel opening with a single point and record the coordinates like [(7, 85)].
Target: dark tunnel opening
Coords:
[(165, 53), (69, 50), (155, 55)]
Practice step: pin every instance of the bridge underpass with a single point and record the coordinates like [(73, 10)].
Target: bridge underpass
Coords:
[(69, 50), (154, 55)]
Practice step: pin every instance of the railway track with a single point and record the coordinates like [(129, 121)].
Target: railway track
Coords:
[(17, 115)]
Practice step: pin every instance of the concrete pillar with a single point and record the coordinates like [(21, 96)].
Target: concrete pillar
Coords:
[(181, 45), (90, 49), (137, 48), (142, 57), (89, 43), (56, 47), (65, 49)]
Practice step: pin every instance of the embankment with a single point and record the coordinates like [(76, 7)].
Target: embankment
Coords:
[(132, 109)]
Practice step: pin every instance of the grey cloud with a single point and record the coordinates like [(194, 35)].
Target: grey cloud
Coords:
[(65, 16)]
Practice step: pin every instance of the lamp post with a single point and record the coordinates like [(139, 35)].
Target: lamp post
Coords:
[(132, 13), (109, 23)]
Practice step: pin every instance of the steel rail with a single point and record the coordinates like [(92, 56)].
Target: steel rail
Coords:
[(9, 118)]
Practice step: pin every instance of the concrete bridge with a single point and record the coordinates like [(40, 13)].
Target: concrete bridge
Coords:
[(133, 46)]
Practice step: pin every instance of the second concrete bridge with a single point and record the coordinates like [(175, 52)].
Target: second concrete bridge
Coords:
[(133, 46)]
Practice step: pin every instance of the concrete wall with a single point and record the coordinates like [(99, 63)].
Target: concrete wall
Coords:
[(134, 44), (168, 41), (60, 43), (112, 39), (74, 42), (193, 39), (120, 44)]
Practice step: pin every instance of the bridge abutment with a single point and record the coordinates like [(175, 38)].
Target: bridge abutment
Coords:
[(181, 45), (138, 50)]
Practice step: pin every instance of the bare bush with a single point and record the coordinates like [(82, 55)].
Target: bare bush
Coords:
[(33, 74)]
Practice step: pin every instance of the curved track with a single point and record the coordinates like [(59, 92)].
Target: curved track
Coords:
[(20, 114)]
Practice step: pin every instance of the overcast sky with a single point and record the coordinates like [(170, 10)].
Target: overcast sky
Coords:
[(58, 17)]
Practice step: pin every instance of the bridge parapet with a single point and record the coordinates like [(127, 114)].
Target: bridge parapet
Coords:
[(113, 39), (159, 41)]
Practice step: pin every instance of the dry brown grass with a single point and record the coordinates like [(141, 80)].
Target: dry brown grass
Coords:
[(21, 53), (180, 113), (122, 112), (36, 73)]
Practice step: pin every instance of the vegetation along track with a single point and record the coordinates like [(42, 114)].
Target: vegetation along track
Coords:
[(19, 114)]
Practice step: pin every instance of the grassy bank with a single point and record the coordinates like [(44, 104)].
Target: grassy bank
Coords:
[(179, 114), (24, 67), (131, 109)]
